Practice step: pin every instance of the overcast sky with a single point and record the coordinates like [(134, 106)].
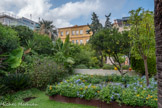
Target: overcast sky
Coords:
[(65, 13)]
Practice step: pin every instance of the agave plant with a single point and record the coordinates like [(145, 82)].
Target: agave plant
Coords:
[(16, 81)]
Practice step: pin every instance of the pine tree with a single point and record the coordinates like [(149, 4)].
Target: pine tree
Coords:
[(95, 25)]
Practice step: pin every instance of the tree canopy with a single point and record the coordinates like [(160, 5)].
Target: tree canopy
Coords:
[(142, 35)]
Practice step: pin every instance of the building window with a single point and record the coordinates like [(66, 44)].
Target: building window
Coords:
[(73, 32), (81, 41), (72, 41), (81, 31), (87, 40), (67, 32), (76, 41), (61, 34), (77, 32)]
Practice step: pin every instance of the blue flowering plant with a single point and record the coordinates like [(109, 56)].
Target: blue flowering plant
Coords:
[(124, 90)]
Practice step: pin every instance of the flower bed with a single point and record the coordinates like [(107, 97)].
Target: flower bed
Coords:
[(130, 91)]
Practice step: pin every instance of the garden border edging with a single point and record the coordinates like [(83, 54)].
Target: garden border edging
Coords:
[(93, 102)]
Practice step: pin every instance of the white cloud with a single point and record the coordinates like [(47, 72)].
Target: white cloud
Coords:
[(61, 16)]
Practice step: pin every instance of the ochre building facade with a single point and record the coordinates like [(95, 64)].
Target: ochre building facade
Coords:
[(77, 34)]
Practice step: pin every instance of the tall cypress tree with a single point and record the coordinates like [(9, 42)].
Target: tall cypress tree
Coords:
[(95, 25)]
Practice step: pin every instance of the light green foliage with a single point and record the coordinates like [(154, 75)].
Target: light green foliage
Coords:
[(142, 33), (15, 58)]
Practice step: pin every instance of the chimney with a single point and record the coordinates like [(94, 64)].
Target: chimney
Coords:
[(31, 16)]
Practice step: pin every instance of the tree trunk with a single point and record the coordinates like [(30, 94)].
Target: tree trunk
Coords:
[(146, 70), (102, 60), (158, 38)]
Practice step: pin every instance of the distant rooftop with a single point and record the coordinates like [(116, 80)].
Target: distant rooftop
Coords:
[(11, 19), (8, 15)]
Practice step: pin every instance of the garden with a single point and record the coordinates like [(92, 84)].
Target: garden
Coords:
[(37, 65)]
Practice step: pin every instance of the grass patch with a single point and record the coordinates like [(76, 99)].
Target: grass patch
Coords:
[(41, 101)]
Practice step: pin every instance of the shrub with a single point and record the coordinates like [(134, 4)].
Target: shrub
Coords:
[(138, 65), (42, 44), (107, 66), (125, 67), (24, 34), (81, 66), (85, 55), (16, 81), (46, 71), (8, 39)]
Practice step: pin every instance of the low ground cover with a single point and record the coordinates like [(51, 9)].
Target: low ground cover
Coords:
[(127, 90)]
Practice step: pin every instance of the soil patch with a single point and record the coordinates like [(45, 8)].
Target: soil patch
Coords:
[(28, 99)]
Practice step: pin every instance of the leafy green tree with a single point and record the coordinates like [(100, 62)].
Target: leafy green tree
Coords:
[(46, 27), (97, 42), (95, 25), (142, 34), (116, 45), (112, 43), (24, 34)]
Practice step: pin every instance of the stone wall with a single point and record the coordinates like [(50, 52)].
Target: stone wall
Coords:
[(103, 72)]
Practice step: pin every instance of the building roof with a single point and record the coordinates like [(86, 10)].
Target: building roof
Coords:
[(11, 16), (73, 26)]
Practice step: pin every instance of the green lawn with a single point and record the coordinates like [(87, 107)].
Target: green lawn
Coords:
[(42, 101)]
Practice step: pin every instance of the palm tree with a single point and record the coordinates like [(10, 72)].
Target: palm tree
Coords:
[(46, 27), (158, 38)]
